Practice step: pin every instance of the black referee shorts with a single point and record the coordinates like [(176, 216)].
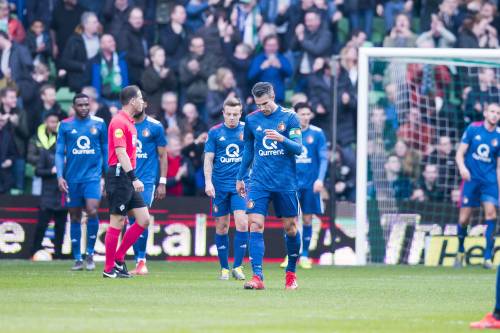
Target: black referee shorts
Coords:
[(121, 194)]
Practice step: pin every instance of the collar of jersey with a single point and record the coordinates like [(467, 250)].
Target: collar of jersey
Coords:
[(127, 116)]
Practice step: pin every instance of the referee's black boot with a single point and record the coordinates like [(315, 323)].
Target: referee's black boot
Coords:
[(121, 269)]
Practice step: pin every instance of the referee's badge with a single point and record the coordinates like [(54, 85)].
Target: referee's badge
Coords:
[(250, 204), (93, 130), (310, 139), (118, 133), (494, 142), (281, 126), (146, 133)]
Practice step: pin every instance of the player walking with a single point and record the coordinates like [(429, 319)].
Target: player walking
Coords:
[(223, 151), (477, 160), (151, 159), (81, 153), (122, 185), (272, 139), (311, 170)]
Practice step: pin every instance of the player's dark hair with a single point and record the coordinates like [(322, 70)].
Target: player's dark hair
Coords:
[(262, 88), (302, 105), (128, 93), (79, 95)]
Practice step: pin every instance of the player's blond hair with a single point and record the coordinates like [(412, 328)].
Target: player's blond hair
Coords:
[(232, 102)]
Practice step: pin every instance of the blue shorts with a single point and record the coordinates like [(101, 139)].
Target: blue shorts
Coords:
[(79, 192), (227, 202), (148, 194), (310, 202), (286, 204), (474, 192)]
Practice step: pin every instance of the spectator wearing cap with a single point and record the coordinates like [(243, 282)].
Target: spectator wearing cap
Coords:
[(271, 66), (80, 48), (173, 37), (157, 78), (65, 18), (109, 72), (132, 41)]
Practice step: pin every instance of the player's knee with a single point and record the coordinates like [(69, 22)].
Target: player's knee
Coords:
[(143, 221), (491, 215), (92, 212), (307, 219), (256, 227), (222, 229)]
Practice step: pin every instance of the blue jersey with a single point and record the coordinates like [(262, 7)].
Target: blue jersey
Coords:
[(483, 151), (273, 167), (84, 144), (227, 145), (312, 162), (150, 136)]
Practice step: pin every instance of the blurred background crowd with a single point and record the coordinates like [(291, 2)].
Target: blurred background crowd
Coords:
[(189, 55)]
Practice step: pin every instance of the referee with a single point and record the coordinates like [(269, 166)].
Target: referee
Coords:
[(122, 185)]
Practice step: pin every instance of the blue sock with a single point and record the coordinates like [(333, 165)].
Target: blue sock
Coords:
[(75, 231), (141, 243), (92, 228), (462, 233), (256, 249), (240, 247), (306, 239), (222, 243), (490, 238), (293, 251)]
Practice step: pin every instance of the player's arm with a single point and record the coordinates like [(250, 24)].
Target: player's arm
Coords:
[(246, 162), (292, 143), (59, 160), (323, 163), (498, 172), (104, 147), (161, 190), (460, 160), (208, 166)]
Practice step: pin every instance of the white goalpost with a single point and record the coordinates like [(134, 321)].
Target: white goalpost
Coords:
[(462, 69)]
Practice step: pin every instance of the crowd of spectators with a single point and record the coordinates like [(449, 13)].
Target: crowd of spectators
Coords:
[(189, 55)]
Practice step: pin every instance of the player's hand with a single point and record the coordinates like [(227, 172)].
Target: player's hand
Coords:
[(63, 186), (210, 190), (465, 174), (318, 186), (161, 191), (138, 185), (274, 135), (240, 188)]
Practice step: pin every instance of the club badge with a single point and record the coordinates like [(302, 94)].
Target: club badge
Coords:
[(310, 139), (281, 126), (241, 136), (93, 130), (494, 142), (250, 204), (146, 133)]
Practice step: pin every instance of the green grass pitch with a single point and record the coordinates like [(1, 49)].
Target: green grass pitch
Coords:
[(187, 297)]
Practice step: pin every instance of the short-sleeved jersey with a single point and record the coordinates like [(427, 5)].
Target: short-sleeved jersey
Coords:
[(122, 133), (227, 145), (308, 162), (150, 136), (273, 166), (483, 151), (83, 143)]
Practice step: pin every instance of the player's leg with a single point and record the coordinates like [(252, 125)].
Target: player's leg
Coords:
[(469, 198), (91, 208), (490, 216), (286, 205), (222, 244), (240, 244), (116, 223), (257, 204), (75, 215), (142, 242), (305, 262), (491, 320)]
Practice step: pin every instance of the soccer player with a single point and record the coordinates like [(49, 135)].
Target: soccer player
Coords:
[(311, 170), (223, 151), (81, 154), (151, 159), (272, 139), (122, 185), (478, 163)]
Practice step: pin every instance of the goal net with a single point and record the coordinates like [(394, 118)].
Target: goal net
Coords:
[(413, 106)]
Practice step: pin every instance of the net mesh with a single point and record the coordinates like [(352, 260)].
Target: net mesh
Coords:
[(418, 110)]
